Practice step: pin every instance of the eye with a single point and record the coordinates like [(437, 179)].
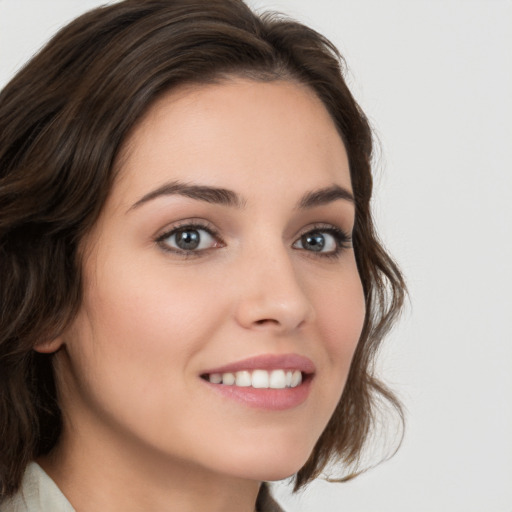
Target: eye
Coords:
[(325, 241), (189, 238)]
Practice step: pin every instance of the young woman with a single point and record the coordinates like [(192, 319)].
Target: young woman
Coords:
[(192, 289)]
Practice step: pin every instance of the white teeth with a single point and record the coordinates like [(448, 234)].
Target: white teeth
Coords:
[(243, 379), (260, 379), (275, 379), (228, 378), (296, 379), (216, 378)]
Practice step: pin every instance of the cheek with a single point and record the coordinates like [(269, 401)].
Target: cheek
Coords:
[(340, 317), (146, 305), (341, 314), (138, 331)]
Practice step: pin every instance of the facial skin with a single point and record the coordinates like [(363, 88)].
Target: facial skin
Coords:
[(142, 429)]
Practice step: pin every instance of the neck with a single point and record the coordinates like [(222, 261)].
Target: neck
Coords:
[(109, 474)]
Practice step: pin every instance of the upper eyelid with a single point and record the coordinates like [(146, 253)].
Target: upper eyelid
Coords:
[(324, 227), (192, 223)]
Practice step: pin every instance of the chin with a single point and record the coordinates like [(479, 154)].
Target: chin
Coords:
[(270, 465)]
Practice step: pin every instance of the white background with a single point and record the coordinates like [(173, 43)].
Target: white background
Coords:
[(435, 78)]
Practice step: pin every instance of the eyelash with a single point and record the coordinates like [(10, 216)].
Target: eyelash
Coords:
[(342, 239), (188, 225)]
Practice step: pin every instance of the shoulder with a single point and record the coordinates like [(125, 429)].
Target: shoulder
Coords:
[(38, 493)]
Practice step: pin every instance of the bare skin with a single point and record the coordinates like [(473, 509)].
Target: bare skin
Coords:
[(143, 430)]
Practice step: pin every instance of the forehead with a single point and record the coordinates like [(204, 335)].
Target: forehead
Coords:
[(239, 130)]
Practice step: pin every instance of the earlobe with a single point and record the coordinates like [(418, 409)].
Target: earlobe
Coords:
[(49, 346)]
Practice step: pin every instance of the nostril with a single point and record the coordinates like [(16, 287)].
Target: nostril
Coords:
[(266, 320)]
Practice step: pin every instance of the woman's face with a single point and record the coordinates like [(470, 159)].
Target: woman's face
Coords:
[(224, 248)]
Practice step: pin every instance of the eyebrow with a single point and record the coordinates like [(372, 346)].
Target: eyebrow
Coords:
[(204, 193), (324, 196), (226, 197)]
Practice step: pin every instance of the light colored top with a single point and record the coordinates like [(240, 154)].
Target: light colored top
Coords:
[(39, 493)]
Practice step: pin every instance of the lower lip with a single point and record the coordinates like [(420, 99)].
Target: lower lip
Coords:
[(265, 398)]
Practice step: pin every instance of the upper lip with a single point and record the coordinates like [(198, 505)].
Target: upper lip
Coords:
[(267, 362)]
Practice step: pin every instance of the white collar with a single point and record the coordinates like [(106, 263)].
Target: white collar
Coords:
[(38, 493)]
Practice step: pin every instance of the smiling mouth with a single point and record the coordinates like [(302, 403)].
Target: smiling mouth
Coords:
[(259, 379)]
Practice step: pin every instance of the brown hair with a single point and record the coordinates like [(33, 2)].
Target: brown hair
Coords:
[(63, 119)]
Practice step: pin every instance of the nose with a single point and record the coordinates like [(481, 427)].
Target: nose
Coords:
[(272, 295)]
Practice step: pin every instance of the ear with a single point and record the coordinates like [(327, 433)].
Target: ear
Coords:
[(49, 346)]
